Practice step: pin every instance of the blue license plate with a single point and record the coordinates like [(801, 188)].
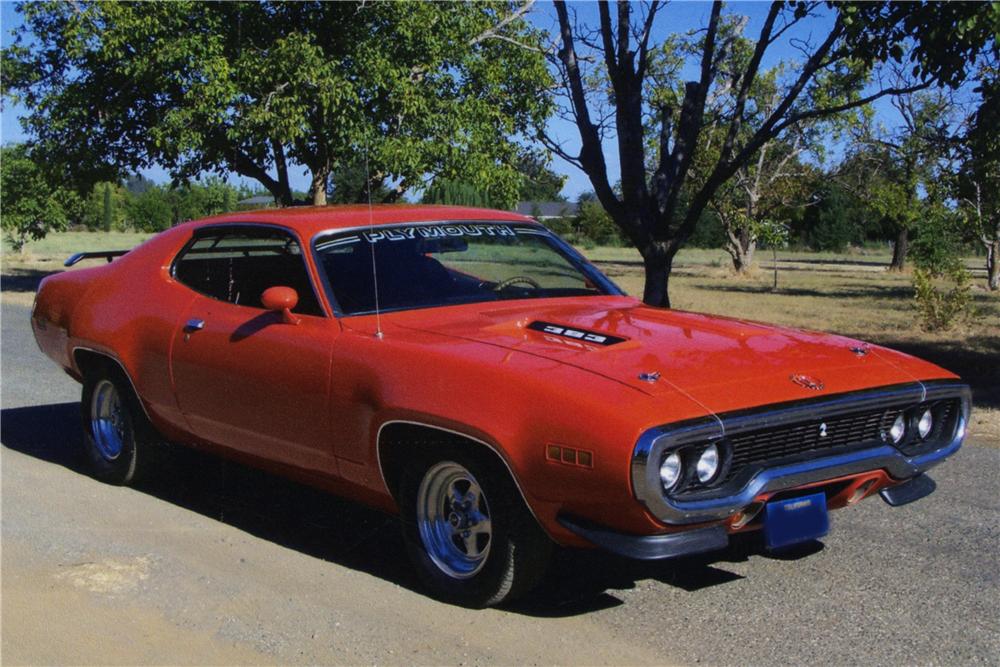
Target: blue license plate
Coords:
[(795, 520)]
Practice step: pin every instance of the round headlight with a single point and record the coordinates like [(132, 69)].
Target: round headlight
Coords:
[(708, 464), (925, 424), (898, 430), (670, 471)]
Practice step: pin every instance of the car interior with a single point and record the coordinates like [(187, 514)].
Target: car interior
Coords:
[(238, 267)]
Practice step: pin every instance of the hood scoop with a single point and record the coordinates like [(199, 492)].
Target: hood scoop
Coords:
[(575, 333)]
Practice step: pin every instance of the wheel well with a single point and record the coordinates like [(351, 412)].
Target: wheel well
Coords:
[(400, 441), (89, 362)]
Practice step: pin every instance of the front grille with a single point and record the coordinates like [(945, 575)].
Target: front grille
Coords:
[(766, 445), (754, 448)]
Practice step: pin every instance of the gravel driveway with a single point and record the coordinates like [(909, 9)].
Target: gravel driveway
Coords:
[(217, 564)]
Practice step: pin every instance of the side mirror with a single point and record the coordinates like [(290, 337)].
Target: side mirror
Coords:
[(281, 299)]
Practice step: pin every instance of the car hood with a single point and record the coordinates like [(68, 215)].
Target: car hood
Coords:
[(722, 363)]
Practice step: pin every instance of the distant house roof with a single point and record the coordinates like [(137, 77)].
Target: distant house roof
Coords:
[(257, 200), (543, 210)]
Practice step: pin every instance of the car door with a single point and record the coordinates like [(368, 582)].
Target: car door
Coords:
[(244, 377)]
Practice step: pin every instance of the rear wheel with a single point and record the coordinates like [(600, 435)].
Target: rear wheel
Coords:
[(119, 439), (468, 532)]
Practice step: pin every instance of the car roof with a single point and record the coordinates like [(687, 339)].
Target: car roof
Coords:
[(308, 220)]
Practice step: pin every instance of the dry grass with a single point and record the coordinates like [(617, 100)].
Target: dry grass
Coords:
[(847, 294)]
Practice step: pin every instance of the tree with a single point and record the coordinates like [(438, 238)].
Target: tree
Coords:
[(978, 182), (108, 212), (827, 81), (834, 220), (30, 206), (106, 207), (445, 191), (538, 182), (748, 203), (257, 88), (151, 211), (351, 185), (905, 161)]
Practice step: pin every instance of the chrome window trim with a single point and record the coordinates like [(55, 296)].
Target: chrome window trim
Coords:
[(270, 225), (652, 443)]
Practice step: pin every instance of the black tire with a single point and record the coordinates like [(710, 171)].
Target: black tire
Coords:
[(518, 549), (139, 441)]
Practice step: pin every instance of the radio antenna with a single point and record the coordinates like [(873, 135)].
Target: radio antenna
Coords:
[(371, 242)]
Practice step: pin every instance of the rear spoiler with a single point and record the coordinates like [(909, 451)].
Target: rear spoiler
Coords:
[(105, 254)]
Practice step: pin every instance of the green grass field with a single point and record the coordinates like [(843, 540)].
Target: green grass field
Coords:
[(850, 294), (66, 243)]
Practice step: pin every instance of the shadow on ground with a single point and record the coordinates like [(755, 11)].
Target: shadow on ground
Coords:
[(976, 360), (326, 527), (901, 294), (22, 280)]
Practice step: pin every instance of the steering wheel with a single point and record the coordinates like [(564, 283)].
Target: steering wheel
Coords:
[(503, 284)]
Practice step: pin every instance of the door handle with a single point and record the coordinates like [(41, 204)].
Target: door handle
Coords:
[(194, 324)]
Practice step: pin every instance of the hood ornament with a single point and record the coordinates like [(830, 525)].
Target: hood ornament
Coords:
[(651, 376), (860, 350), (806, 381)]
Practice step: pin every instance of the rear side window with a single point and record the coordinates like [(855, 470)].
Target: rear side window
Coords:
[(236, 265)]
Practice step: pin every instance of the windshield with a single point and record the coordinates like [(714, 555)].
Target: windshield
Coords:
[(425, 265)]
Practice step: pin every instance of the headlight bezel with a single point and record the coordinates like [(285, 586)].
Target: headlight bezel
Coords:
[(689, 456)]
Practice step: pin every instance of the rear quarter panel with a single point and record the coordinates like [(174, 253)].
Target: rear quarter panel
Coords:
[(127, 310)]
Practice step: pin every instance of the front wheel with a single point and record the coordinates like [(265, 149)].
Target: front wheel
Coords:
[(468, 532)]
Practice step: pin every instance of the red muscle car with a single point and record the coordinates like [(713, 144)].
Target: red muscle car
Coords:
[(471, 371)]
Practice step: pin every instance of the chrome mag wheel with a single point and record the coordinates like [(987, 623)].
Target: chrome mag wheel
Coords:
[(108, 421), (453, 517)]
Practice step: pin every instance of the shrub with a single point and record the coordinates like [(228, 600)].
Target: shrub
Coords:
[(941, 308), (936, 256), (594, 225)]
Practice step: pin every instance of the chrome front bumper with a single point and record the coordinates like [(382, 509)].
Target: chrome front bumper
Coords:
[(649, 450)]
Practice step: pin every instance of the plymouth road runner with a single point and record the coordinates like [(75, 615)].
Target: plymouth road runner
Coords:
[(472, 372)]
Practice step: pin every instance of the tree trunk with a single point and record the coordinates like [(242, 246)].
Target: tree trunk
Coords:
[(742, 252), (283, 190), (657, 262), (899, 250), (318, 186), (993, 265)]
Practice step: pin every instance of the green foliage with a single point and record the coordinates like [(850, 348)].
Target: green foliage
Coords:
[(834, 221), (259, 87), (444, 191), (538, 182), (105, 207), (151, 211), (942, 285), (351, 185), (944, 36), (108, 209), (941, 308), (30, 207), (977, 183), (710, 232), (594, 226)]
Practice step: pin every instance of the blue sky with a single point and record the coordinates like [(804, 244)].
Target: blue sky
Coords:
[(677, 17)]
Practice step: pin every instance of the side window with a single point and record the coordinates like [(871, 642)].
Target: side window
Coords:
[(238, 264)]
